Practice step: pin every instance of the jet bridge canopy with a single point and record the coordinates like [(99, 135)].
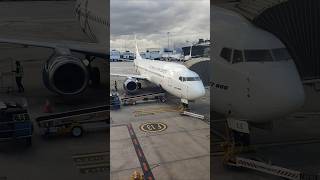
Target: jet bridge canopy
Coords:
[(295, 23), (201, 66)]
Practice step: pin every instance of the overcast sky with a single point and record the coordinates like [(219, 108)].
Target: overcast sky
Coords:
[(152, 19)]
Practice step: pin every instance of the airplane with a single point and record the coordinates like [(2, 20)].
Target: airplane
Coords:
[(65, 73), (188, 57), (172, 77), (253, 76)]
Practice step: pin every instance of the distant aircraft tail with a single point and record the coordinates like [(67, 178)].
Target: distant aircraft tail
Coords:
[(137, 50)]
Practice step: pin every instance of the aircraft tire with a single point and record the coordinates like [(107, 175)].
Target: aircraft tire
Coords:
[(77, 131)]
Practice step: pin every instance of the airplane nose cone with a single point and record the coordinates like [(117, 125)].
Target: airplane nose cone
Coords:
[(279, 98), (289, 100), (196, 91), (277, 104)]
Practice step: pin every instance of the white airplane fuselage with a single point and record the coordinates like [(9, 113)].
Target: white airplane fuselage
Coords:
[(173, 77), (253, 77)]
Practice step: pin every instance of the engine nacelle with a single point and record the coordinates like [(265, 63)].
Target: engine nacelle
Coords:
[(130, 85), (65, 75)]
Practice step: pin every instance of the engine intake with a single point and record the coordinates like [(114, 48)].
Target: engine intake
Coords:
[(130, 85), (66, 75)]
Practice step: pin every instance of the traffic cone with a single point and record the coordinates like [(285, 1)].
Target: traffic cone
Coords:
[(136, 176), (47, 107)]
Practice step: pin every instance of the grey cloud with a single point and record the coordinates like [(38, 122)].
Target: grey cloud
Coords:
[(152, 19)]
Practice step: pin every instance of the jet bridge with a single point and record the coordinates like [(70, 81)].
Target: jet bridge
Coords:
[(295, 23), (201, 66)]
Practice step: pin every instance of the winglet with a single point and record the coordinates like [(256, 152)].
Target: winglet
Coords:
[(137, 50)]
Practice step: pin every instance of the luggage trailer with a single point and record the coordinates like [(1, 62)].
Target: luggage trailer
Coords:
[(74, 122), (150, 97)]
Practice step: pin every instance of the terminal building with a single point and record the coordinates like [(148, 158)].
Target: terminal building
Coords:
[(200, 49)]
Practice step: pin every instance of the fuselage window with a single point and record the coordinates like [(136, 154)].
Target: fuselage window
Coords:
[(281, 54), (237, 56), (259, 55), (226, 54)]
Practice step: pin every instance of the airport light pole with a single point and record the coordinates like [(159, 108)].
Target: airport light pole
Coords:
[(168, 38)]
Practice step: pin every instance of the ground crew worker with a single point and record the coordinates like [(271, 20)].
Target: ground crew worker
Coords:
[(19, 75), (115, 86)]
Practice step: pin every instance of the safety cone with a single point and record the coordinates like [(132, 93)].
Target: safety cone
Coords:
[(47, 107), (136, 176)]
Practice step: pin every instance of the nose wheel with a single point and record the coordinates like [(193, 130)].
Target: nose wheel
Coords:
[(184, 105), (238, 131)]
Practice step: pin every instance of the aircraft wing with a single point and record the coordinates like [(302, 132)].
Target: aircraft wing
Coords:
[(136, 76), (92, 49)]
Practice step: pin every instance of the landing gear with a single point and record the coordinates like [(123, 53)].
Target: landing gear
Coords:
[(184, 104), (237, 140), (241, 139), (239, 131)]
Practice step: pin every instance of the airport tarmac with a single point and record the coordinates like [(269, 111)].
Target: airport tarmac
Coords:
[(56, 158), (180, 151)]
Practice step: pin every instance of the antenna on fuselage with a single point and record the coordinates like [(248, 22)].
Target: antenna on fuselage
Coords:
[(137, 50)]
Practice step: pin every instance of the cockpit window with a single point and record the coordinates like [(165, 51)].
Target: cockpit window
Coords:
[(226, 54), (192, 78), (258, 55), (237, 56), (189, 79), (281, 54)]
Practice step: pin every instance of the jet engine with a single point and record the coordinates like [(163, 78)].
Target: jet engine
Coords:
[(130, 85), (65, 75)]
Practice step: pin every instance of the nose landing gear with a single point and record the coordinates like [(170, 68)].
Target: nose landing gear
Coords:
[(184, 105)]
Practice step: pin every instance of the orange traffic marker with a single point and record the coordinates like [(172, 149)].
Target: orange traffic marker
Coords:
[(47, 107)]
